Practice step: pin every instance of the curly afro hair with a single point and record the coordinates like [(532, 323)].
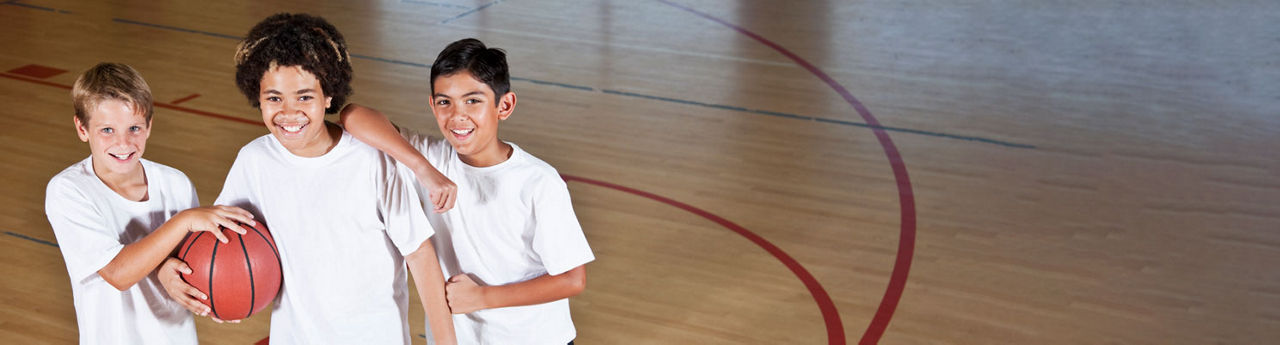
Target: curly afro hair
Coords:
[(303, 40)]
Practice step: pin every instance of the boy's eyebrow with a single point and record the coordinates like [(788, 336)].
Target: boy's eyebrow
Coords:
[(477, 92), (272, 91), (305, 91)]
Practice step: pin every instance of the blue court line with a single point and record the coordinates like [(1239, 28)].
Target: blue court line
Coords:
[(437, 4), (158, 26), (637, 95), (819, 119), (29, 238), (552, 83), (929, 133), (393, 61), (42, 8), (214, 34), (467, 13)]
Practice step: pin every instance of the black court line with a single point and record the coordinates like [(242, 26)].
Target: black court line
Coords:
[(32, 239), (467, 13)]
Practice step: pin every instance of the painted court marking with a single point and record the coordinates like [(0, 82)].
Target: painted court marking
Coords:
[(37, 71), (906, 197), (815, 288), (184, 99)]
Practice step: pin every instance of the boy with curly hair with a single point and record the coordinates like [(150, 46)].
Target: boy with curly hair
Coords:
[(345, 217)]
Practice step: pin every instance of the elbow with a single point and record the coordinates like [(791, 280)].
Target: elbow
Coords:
[(117, 278), (577, 281), (345, 114), (115, 282)]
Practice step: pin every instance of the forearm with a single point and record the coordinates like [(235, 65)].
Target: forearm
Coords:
[(371, 127), (136, 260), (429, 281), (543, 289)]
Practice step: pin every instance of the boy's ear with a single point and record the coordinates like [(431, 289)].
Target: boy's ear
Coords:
[(327, 100), (506, 105), (81, 130)]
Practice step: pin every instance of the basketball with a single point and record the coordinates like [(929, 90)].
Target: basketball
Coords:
[(240, 277)]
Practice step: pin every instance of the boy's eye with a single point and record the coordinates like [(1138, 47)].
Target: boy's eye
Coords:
[(305, 98), (107, 130), (135, 129), (273, 99), (442, 102), (473, 101)]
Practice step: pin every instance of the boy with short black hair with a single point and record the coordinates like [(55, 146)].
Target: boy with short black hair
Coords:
[(117, 216), (512, 245)]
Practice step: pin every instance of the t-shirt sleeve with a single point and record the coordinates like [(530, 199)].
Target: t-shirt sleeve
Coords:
[(402, 214), (558, 239), (416, 139), (195, 198), (86, 242)]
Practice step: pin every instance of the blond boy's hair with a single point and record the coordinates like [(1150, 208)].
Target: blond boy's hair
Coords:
[(110, 81)]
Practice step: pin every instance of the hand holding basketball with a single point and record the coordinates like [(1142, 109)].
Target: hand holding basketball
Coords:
[(186, 295), (464, 294), (237, 278), (212, 218)]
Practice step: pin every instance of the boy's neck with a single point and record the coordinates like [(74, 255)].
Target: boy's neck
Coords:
[(322, 145), (131, 184), (495, 155)]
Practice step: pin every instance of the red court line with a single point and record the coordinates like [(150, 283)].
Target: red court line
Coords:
[(819, 294), (33, 80), (156, 104), (37, 71), (906, 197), (209, 114), (184, 99)]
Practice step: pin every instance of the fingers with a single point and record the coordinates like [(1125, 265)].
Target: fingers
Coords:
[(191, 298), (237, 214), (231, 225), (447, 199), (224, 321), (443, 198), (217, 232)]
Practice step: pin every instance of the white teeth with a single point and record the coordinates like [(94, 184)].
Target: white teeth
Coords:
[(292, 128), (463, 131), (120, 157)]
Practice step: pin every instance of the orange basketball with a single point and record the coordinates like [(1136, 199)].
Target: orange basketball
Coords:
[(241, 277)]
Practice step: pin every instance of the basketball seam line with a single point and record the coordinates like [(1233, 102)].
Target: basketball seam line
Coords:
[(271, 241), (189, 245), (252, 288), (213, 258)]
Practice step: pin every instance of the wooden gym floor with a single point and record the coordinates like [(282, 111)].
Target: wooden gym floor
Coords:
[(806, 172)]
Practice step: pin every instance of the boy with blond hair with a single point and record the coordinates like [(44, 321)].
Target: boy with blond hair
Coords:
[(117, 216)]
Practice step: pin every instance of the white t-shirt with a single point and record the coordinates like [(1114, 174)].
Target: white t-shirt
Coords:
[(512, 222), (92, 224), (341, 222)]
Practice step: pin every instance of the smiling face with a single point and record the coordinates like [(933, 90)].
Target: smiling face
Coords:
[(292, 105), (468, 115), (117, 136)]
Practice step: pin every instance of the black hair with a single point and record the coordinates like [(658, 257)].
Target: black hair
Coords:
[(303, 40), (488, 65)]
